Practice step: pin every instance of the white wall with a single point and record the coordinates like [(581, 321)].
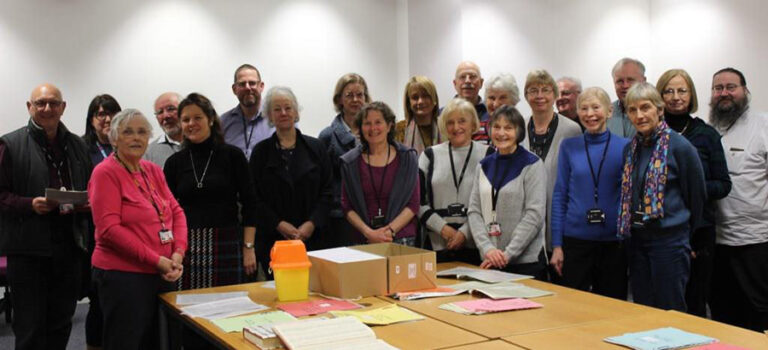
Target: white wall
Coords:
[(136, 50)]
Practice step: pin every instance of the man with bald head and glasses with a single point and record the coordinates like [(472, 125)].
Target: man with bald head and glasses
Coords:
[(45, 242), (244, 126), (167, 114), (740, 267)]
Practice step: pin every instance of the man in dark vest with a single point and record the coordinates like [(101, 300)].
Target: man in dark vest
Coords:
[(44, 241)]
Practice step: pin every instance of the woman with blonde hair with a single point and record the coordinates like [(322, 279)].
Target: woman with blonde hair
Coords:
[(419, 130)]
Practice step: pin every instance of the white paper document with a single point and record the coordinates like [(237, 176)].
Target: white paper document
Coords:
[(66, 197), (490, 276), (344, 255), (191, 299), (223, 308)]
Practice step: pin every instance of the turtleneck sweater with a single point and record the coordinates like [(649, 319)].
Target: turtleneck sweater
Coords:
[(574, 188)]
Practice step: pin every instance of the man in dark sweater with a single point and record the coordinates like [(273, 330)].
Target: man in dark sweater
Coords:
[(44, 241)]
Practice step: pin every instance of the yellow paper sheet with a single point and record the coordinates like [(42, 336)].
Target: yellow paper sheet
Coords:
[(381, 316)]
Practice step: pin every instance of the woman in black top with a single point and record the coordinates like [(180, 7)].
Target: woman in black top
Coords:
[(209, 178), (97, 121), (293, 179), (679, 94)]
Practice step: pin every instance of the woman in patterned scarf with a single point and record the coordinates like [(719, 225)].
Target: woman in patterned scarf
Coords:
[(419, 129), (662, 196)]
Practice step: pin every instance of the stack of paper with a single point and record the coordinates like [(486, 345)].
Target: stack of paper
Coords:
[(490, 276), (660, 339), (382, 316), (332, 334), (315, 307), (482, 306), (502, 290), (223, 308), (199, 298), (718, 346)]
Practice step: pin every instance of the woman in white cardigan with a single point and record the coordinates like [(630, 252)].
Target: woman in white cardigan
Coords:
[(507, 205), (546, 129), (446, 172)]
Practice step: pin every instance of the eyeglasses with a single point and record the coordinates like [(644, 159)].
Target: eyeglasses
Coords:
[(244, 84), (680, 92), (103, 115), (169, 109), (354, 95), (730, 88), (40, 104), (536, 91)]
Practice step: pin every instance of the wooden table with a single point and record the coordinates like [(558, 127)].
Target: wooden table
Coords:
[(425, 334), (488, 345), (591, 335), (566, 308)]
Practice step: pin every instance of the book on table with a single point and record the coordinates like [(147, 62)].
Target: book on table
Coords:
[(334, 333)]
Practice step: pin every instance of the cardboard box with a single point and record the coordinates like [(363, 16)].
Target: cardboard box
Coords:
[(408, 268), (347, 273)]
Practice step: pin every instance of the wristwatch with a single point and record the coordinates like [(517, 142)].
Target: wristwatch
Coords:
[(248, 245)]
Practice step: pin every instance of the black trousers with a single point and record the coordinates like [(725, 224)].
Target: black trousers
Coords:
[(44, 292), (699, 283), (740, 286), (599, 267), (130, 305), (536, 269)]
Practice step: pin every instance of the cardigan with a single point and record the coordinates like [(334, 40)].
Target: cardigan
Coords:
[(127, 224), (565, 128), (684, 193), (520, 207), (406, 177), (438, 189), (295, 191), (573, 195)]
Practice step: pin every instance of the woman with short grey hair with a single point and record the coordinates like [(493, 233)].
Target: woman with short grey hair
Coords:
[(507, 204)]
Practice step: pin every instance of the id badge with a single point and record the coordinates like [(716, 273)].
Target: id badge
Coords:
[(494, 229), (595, 216), (637, 219), (166, 236), (378, 221), (456, 210)]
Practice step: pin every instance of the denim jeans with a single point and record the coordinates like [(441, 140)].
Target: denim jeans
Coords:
[(659, 268)]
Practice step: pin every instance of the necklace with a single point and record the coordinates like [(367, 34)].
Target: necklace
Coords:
[(200, 182), (685, 127)]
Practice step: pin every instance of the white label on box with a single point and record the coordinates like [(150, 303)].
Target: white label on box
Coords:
[(428, 266), (397, 269), (411, 271)]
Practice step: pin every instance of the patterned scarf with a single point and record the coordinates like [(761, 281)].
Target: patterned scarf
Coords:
[(655, 180), (413, 137)]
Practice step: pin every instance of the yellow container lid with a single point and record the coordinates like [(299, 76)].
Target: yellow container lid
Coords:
[(290, 254)]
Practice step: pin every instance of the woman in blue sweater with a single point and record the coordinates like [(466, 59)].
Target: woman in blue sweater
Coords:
[(662, 196), (586, 251)]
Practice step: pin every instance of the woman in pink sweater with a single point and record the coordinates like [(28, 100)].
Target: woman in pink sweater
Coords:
[(141, 236)]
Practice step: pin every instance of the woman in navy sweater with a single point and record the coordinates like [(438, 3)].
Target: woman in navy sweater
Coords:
[(586, 251), (662, 196)]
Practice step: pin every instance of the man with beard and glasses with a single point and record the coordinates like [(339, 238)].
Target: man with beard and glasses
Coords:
[(740, 276), (167, 114), (244, 126)]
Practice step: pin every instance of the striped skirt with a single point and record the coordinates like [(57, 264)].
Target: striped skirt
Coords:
[(214, 258)]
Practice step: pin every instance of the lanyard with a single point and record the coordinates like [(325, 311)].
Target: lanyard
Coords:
[(637, 177), (248, 136), (496, 185), (596, 180), (150, 187), (463, 169), (104, 153), (376, 191), (58, 166)]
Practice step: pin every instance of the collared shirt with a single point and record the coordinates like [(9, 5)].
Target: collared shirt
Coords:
[(162, 148), (244, 134), (742, 216), (619, 122)]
